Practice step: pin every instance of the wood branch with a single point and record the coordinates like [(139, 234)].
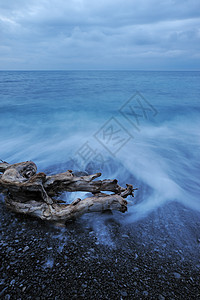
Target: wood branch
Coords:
[(35, 194), (68, 182), (64, 212)]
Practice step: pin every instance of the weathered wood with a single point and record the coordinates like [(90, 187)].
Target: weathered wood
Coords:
[(35, 194)]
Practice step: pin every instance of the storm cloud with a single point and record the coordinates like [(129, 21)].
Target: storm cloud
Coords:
[(83, 34)]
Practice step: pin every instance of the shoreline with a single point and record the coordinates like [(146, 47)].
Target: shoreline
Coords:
[(101, 258)]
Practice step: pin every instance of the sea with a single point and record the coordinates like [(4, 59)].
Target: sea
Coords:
[(140, 127)]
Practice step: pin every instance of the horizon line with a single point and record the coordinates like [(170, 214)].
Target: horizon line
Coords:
[(74, 70)]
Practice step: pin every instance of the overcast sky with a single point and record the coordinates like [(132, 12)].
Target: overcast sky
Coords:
[(104, 34)]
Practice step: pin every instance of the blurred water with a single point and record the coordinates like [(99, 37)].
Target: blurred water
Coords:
[(58, 119)]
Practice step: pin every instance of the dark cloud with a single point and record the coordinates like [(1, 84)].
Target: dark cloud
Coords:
[(81, 34)]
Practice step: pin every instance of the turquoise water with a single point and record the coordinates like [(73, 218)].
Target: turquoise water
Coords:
[(96, 121)]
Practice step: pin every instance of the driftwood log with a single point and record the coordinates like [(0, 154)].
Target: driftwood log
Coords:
[(32, 193)]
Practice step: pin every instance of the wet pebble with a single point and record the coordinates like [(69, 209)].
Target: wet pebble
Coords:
[(177, 275), (123, 293), (26, 249), (161, 297), (125, 236), (12, 282)]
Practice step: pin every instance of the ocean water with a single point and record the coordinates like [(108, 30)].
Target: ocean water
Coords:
[(140, 127)]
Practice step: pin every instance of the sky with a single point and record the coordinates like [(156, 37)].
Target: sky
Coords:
[(99, 35)]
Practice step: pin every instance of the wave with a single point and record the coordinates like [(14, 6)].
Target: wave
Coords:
[(162, 161)]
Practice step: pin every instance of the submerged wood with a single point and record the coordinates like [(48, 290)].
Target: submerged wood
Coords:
[(32, 193)]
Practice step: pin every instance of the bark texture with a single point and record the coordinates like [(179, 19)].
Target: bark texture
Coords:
[(32, 193)]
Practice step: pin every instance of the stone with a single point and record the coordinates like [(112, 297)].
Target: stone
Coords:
[(177, 275), (123, 293), (12, 282), (125, 236), (161, 297), (26, 249), (145, 293)]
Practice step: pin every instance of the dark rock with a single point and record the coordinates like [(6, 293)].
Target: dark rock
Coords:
[(161, 297), (177, 275), (124, 293), (12, 282), (26, 249), (125, 236)]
